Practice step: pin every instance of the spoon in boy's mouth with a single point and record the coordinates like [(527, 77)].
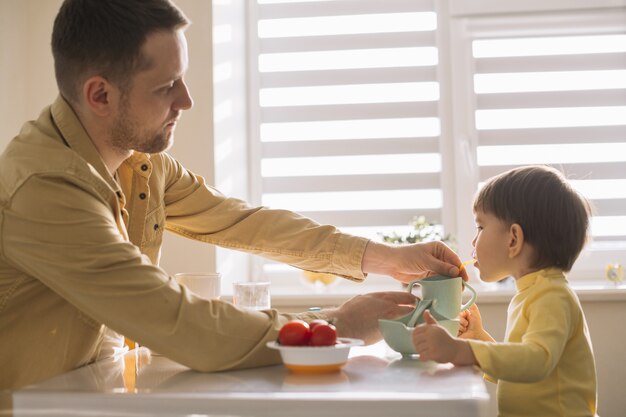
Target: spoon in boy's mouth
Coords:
[(462, 267)]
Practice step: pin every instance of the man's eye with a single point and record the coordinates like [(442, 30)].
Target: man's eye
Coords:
[(168, 87)]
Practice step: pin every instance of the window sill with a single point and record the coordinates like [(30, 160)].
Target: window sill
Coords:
[(487, 294), (586, 291)]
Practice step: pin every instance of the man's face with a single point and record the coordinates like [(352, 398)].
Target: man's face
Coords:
[(147, 113)]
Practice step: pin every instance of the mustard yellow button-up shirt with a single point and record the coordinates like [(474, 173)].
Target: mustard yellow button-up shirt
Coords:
[(79, 254)]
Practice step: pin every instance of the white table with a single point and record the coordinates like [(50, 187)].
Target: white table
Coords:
[(374, 382)]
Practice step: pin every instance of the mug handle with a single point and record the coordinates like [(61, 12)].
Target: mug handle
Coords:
[(411, 284), (472, 299)]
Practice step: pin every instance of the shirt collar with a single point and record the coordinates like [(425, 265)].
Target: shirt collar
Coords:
[(529, 280), (140, 162), (77, 138)]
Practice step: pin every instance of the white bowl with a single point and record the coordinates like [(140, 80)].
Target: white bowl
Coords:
[(316, 359)]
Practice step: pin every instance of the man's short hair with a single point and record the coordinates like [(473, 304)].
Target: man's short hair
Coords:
[(105, 37), (553, 216)]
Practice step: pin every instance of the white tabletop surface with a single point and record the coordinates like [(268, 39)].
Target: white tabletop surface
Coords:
[(374, 382)]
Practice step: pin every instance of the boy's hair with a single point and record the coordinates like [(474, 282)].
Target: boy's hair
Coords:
[(105, 37), (552, 215)]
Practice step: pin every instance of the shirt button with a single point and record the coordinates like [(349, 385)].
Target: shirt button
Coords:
[(144, 167), (156, 226), (142, 196)]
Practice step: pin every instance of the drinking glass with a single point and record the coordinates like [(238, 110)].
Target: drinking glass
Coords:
[(254, 295), (205, 284)]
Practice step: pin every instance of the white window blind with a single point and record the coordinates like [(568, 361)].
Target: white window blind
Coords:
[(365, 114), (345, 112), (552, 91)]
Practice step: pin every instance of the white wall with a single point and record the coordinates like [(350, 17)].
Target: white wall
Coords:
[(211, 139), (26, 71), (194, 144)]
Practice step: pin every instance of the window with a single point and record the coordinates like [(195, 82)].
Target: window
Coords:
[(549, 90), (365, 114)]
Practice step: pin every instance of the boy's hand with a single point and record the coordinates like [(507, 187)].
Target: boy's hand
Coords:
[(463, 322), (472, 325), (433, 342)]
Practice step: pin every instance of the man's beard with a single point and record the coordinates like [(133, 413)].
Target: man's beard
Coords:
[(126, 135)]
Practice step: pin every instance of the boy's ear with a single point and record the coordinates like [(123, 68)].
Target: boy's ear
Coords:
[(98, 95), (516, 240)]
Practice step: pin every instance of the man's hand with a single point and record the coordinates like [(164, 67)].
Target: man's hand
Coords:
[(410, 262), (358, 317)]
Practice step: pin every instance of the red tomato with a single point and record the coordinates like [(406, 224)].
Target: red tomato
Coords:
[(294, 333), (323, 335), (316, 322)]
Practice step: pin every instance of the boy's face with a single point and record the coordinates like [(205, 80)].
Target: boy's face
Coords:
[(491, 247)]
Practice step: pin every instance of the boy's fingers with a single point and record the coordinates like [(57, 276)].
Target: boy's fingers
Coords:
[(428, 318)]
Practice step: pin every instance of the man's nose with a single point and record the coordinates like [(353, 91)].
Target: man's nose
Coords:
[(184, 102)]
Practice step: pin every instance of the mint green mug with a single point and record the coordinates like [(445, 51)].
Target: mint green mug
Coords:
[(446, 294)]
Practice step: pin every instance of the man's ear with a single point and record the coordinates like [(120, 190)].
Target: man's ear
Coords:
[(516, 240), (98, 95)]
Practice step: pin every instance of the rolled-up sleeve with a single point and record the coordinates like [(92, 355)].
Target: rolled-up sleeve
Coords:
[(200, 212)]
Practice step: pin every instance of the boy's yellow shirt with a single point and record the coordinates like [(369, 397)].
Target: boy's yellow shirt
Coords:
[(545, 367)]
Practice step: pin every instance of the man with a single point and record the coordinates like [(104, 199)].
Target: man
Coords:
[(87, 190)]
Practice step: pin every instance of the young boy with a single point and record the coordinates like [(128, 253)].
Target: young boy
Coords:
[(532, 226)]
